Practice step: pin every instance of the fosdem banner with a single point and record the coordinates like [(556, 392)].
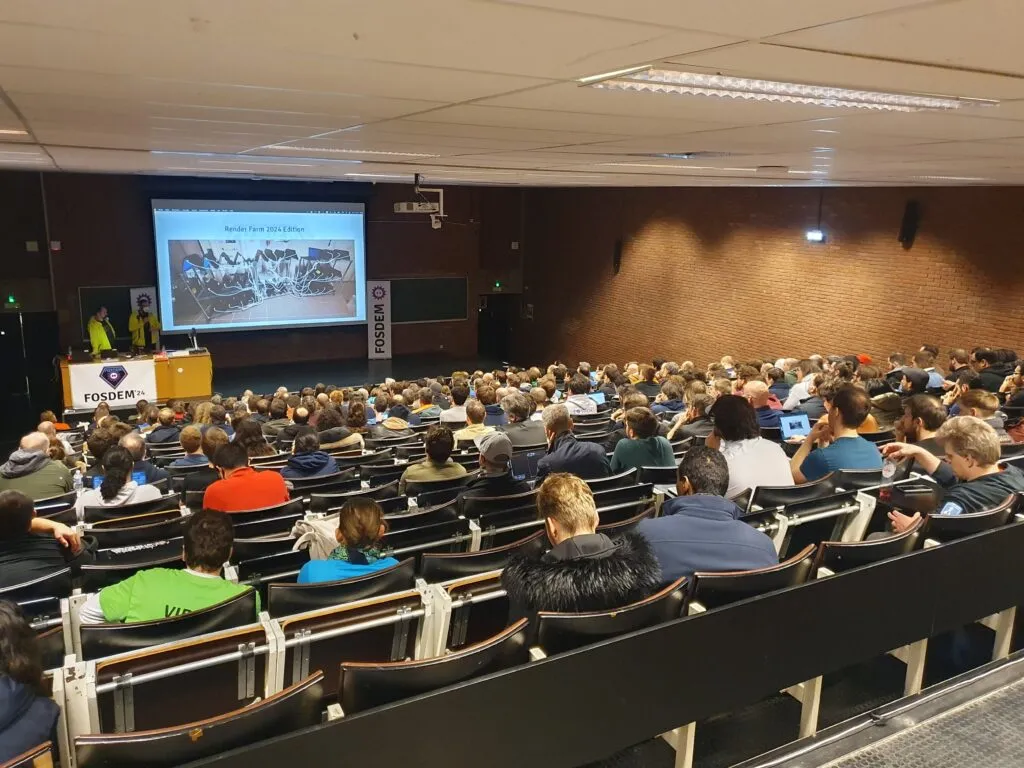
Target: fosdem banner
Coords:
[(116, 383), (378, 319)]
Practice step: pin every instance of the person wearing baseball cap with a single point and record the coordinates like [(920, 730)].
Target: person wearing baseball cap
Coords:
[(495, 461), (144, 327), (914, 382)]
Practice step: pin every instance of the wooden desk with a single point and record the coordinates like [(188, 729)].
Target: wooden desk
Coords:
[(185, 377)]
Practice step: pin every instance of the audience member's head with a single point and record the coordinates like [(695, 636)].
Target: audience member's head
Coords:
[(670, 390), (213, 439), (229, 458), (356, 419), (47, 428), (16, 513), (914, 382), (924, 359), (99, 442), (971, 446), (517, 407), (850, 408), (475, 412), (134, 443), (703, 470), (958, 358), (734, 418), (757, 393), (641, 423), (539, 397), (486, 395), (697, 407), (20, 654), (579, 385), (306, 442), (439, 443), (192, 439), (117, 465), (166, 417), (978, 402), (556, 421), (209, 538), (566, 505), (300, 416), (460, 393), (361, 524), (495, 452), (922, 416)]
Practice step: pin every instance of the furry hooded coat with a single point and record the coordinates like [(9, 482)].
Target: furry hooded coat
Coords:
[(602, 575)]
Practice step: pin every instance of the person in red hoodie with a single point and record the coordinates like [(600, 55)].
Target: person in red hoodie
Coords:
[(241, 487)]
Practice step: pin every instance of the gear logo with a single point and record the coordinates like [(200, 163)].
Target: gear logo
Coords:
[(143, 297), (378, 292), (114, 375)]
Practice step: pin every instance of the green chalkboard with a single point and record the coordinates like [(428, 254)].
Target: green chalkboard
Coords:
[(428, 299), (117, 300)]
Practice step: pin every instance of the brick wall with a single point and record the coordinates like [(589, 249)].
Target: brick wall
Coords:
[(707, 272)]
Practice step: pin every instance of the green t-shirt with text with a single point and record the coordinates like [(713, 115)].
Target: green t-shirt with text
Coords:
[(164, 593)]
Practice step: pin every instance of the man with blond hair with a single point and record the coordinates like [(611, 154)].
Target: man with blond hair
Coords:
[(970, 475), (584, 570)]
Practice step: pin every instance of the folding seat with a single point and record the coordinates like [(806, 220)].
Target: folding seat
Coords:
[(623, 518), (479, 609), (447, 536), (140, 529), (283, 566), (611, 496), (766, 496), (943, 528), (292, 709), (474, 506), (56, 584), (53, 504), (593, 437), (560, 632), (333, 501), (879, 438), (621, 480), (772, 433), (288, 599), (340, 482), (376, 443), (470, 461), (455, 484), (37, 757), (438, 567), (838, 556), (249, 549), (1008, 450), (381, 474), (855, 479), (367, 685), (411, 452), (285, 508), (379, 629), (99, 640), (97, 514), (271, 526), (120, 566), (659, 475), (422, 516), (47, 621), (505, 526), (713, 590)]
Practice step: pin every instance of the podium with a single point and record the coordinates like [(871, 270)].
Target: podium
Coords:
[(123, 382)]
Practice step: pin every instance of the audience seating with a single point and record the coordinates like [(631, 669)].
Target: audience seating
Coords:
[(623, 518), (271, 526), (479, 609), (99, 575), (621, 480), (52, 504), (659, 475), (382, 456), (456, 484), (381, 474), (839, 556), (880, 438), (140, 529), (56, 584), (379, 629), (474, 506), (470, 461), (367, 685), (249, 549), (612, 496), (98, 514), (273, 567), (286, 599), (292, 709), (942, 528), (713, 590), (99, 640), (766, 496), (292, 507), (438, 567), (373, 444), (324, 502), (593, 437), (853, 479), (560, 632), (448, 536), (37, 757), (772, 433), (422, 516)]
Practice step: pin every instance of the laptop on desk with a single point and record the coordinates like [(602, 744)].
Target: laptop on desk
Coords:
[(524, 464)]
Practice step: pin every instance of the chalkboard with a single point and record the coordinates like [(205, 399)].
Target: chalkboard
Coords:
[(428, 299), (117, 300)]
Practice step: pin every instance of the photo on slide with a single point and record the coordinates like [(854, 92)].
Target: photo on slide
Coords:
[(229, 281)]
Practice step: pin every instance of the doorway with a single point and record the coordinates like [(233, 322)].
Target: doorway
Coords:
[(496, 318)]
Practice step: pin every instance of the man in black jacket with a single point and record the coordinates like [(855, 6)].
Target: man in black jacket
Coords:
[(970, 475), (992, 369), (166, 432), (584, 570), (565, 452), (299, 425), (521, 430), (495, 461), (32, 547)]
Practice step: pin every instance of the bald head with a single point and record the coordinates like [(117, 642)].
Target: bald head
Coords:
[(47, 428), (36, 442), (134, 443), (757, 393)]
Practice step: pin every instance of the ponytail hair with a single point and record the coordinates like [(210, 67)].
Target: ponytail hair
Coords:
[(117, 470)]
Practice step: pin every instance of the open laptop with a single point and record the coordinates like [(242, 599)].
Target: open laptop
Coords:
[(794, 425), (597, 397), (524, 464)]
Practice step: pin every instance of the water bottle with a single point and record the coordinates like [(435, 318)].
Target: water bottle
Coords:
[(888, 473), (79, 483)]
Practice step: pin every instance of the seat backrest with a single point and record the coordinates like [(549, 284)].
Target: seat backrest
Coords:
[(96, 514), (125, 531), (364, 686), (53, 504), (322, 502), (276, 566), (1011, 449), (338, 482), (432, 498), (56, 584), (415, 489), (160, 701), (480, 609), (611, 496), (449, 536), (422, 516), (560, 632), (342, 474), (37, 757), (96, 576), (621, 480), (623, 518), (593, 437), (288, 599), (444, 566), (249, 549), (885, 436), (383, 456), (772, 433), (767, 496), (659, 475), (850, 479), (292, 507), (290, 710), (840, 556), (99, 640), (716, 589), (949, 527), (376, 443), (273, 526), (474, 506), (378, 629)]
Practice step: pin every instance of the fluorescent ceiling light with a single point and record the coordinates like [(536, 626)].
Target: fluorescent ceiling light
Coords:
[(380, 175), (696, 84), (244, 158), (350, 151), (804, 173), (951, 178), (13, 132), (617, 73), (672, 167)]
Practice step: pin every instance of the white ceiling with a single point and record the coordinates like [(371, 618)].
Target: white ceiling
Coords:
[(484, 91)]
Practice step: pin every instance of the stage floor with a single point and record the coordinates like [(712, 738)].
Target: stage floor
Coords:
[(343, 373)]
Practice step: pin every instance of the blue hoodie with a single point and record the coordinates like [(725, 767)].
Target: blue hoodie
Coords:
[(26, 719), (703, 533), (312, 464)]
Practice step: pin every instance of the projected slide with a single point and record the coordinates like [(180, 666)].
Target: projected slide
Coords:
[(239, 265)]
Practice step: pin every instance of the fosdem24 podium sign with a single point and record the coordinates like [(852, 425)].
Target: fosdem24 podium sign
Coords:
[(117, 383)]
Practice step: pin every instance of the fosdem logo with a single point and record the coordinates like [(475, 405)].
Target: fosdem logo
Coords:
[(114, 375), (378, 292)]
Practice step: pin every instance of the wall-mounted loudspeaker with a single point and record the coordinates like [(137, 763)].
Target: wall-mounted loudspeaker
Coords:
[(908, 227), (617, 256)]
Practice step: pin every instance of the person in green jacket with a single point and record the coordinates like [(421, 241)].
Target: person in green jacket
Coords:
[(31, 470), (101, 332), (644, 446), (165, 593)]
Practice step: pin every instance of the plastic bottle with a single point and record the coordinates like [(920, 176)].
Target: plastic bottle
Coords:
[(79, 483), (888, 473)]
